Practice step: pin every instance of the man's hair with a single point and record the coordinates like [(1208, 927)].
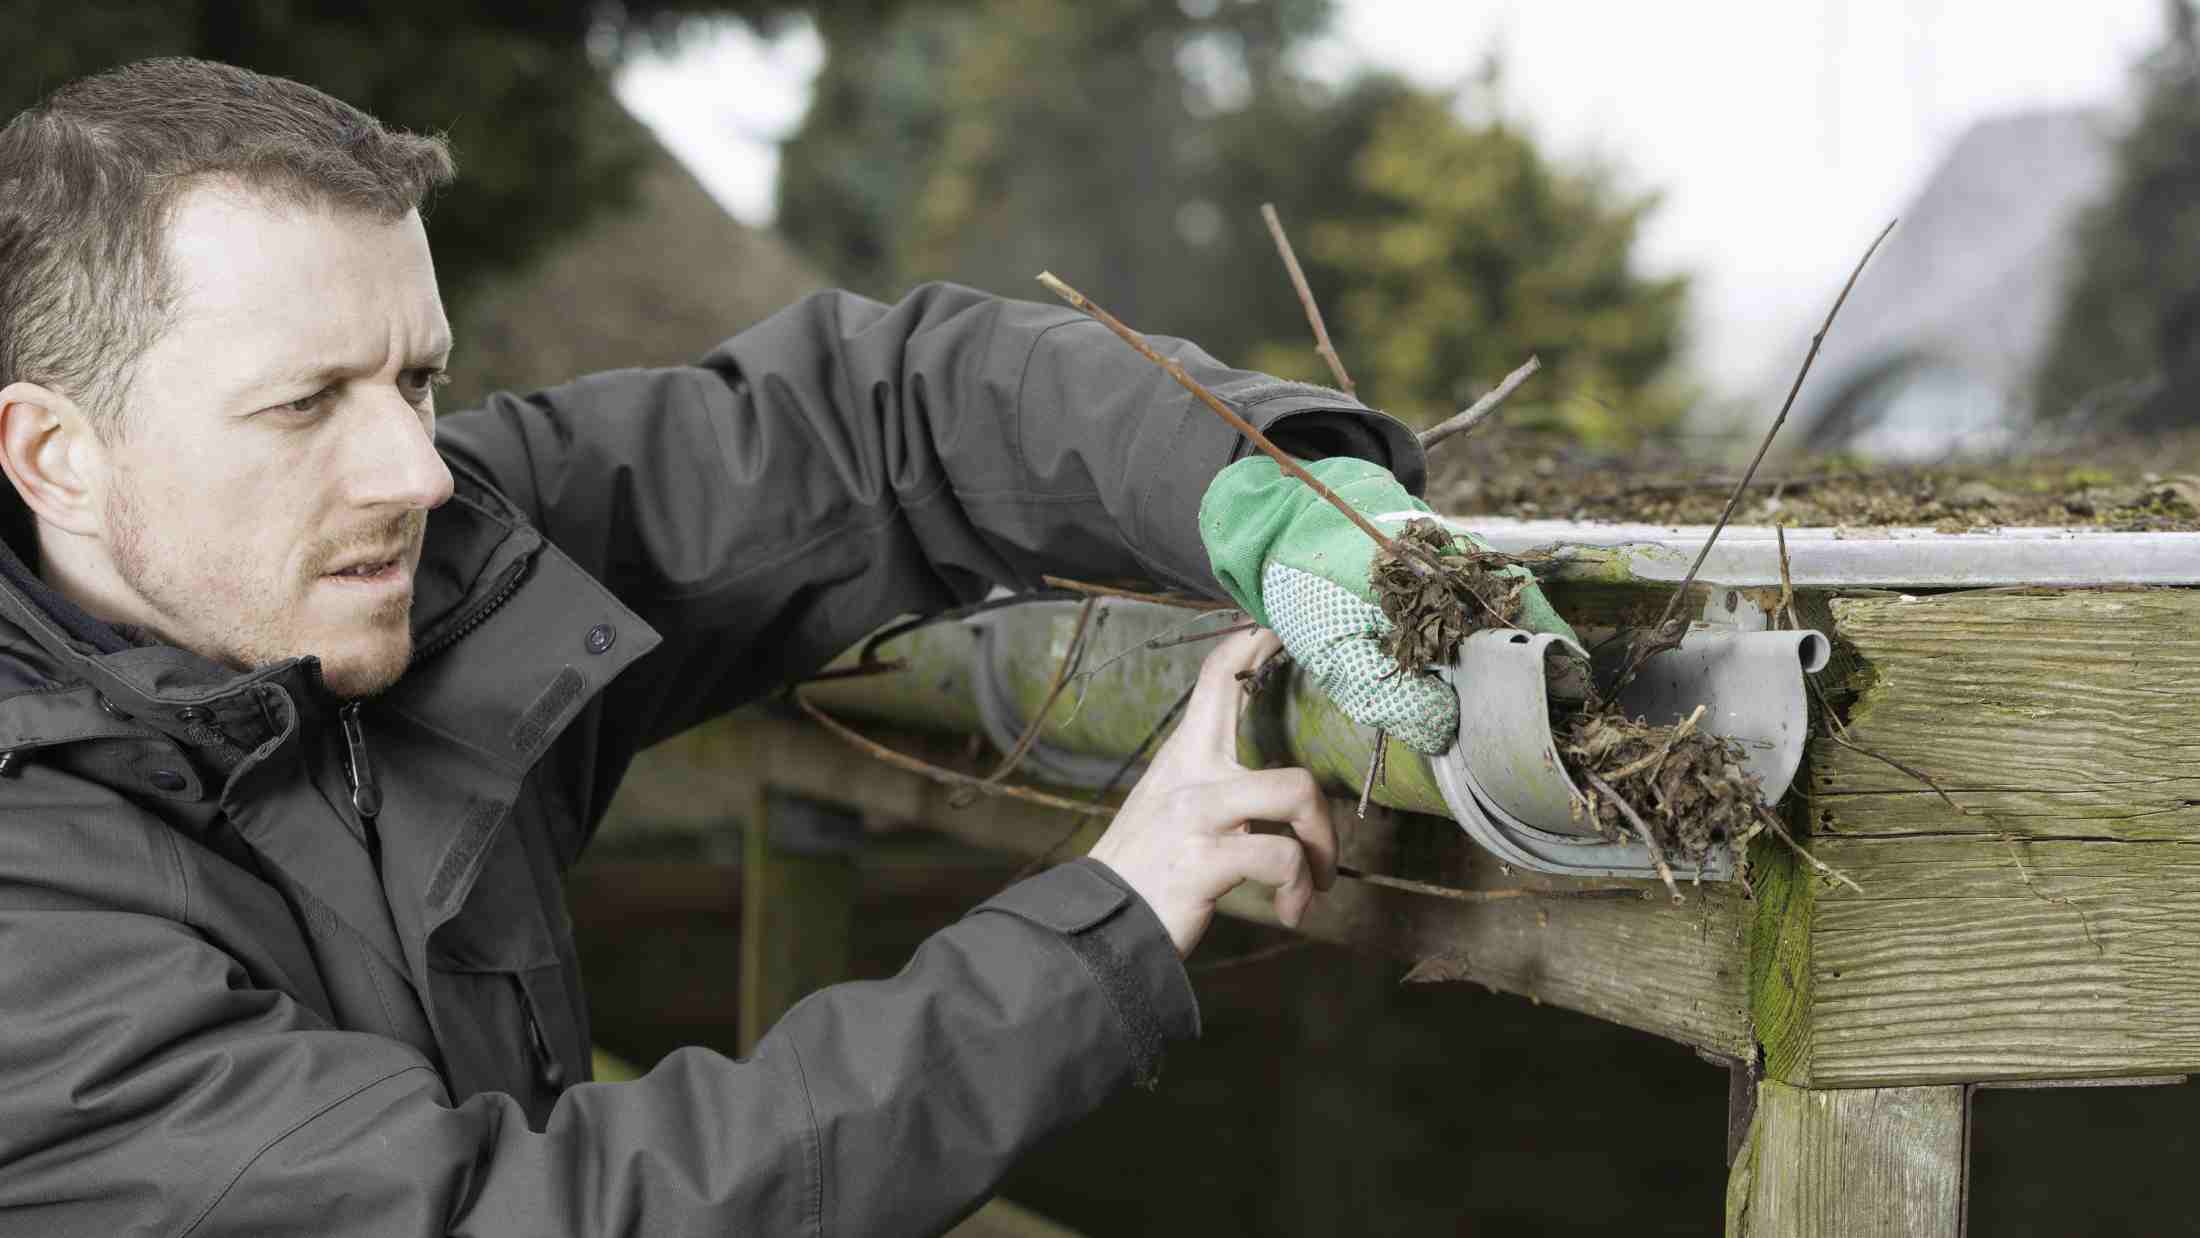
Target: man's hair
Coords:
[(90, 176)]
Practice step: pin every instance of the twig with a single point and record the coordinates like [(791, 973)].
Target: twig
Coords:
[(1481, 410), (1659, 640), (2025, 875), (1072, 657), (1197, 637), (1257, 678), (1291, 467), (1642, 831), (945, 777), (1167, 640), (1839, 732), (1132, 595), (1374, 768), (1780, 831), (1130, 762), (1480, 896), (1306, 297), (872, 644), (858, 671)]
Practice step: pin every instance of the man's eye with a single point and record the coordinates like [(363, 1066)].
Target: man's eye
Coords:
[(421, 383), (310, 404)]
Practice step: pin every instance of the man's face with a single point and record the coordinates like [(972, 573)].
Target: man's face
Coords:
[(267, 493)]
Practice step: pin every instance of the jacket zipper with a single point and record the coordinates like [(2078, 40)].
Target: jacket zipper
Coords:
[(506, 586), (366, 793), (549, 1071)]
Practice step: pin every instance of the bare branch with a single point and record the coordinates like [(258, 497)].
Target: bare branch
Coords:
[(1322, 345), (1132, 595), (1658, 639), (1240, 424), (1642, 831), (946, 777), (1481, 410)]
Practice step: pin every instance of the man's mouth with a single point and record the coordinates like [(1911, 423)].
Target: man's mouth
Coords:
[(376, 571)]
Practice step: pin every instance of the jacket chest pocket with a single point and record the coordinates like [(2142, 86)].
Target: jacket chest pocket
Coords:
[(506, 987)]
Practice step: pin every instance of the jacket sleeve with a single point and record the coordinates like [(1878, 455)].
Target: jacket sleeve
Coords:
[(150, 1087), (845, 462)]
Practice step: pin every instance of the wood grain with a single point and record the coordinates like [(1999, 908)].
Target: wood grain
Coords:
[(1857, 1163), (1634, 959), (1972, 959), (2073, 714)]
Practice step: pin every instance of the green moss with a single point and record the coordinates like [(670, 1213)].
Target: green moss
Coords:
[(1779, 958)]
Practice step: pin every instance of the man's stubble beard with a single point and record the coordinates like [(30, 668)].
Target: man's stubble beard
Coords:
[(231, 616)]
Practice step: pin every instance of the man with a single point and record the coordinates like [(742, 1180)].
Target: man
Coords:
[(307, 700)]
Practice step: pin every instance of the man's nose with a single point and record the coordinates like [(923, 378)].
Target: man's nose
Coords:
[(393, 460)]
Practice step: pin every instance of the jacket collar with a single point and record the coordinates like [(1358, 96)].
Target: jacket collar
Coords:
[(66, 676)]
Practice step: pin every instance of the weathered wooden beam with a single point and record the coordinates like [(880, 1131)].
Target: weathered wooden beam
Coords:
[(1678, 972), (2048, 931), (1855, 1163), (2049, 715), (798, 885), (1973, 959)]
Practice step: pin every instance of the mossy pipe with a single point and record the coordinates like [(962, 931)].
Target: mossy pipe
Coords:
[(1109, 714)]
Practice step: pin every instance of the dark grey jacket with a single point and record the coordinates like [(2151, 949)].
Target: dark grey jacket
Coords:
[(231, 1002)]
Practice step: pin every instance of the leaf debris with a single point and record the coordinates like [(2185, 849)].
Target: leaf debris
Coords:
[(1430, 613)]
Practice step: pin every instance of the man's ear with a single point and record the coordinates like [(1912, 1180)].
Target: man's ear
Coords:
[(51, 456)]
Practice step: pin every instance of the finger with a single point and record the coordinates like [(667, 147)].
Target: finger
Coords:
[(1272, 860), (1287, 795), (1210, 720)]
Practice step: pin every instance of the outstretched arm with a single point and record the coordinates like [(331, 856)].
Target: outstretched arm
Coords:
[(845, 462)]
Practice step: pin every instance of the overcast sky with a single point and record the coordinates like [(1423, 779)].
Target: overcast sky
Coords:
[(1782, 135)]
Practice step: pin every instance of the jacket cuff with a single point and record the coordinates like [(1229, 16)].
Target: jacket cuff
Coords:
[(1309, 422), (1122, 943), (1315, 423)]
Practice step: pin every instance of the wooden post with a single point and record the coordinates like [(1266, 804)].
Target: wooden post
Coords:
[(1852, 1163), (798, 884)]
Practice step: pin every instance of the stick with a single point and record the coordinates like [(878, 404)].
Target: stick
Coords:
[(1072, 657), (1374, 767), (1241, 425), (946, 777), (1658, 644), (1642, 831), (1481, 410), (1780, 831), (859, 670), (1132, 595), (1039, 861), (1480, 896), (1306, 297), (1840, 731), (1167, 640)]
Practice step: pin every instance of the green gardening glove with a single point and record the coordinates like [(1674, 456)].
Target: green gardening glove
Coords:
[(1295, 563)]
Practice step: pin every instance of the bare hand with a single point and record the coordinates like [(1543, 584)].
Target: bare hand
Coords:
[(1183, 838)]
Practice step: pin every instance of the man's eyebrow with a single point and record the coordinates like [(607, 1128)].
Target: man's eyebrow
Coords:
[(319, 375)]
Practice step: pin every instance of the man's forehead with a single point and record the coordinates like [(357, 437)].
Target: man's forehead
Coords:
[(290, 286)]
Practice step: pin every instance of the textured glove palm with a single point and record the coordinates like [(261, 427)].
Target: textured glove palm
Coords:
[(1298, 566)]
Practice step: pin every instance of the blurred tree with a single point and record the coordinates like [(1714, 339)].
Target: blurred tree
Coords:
[(1127, 145), (1466, 251), (2127, 346), (520, 89)]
